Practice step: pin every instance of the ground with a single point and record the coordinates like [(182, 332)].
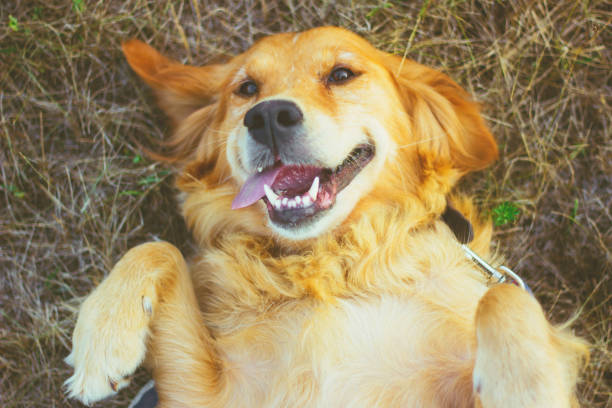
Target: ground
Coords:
[(77, 189)]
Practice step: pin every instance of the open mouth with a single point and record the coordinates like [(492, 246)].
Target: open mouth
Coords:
[(296, 194)]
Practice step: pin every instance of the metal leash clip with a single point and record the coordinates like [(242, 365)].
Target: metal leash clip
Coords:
[(494, 273)]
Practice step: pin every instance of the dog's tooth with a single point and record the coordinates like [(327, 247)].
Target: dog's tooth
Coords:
[(270, 194), (306, 201), (314, 189), (277, 204), (285, 200), (291, 203), (298, 200), (259, 169)]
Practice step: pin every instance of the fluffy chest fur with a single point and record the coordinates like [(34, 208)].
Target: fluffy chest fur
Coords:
[(387, 342), (355, 353)]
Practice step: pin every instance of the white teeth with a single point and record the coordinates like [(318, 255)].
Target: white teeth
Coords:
[(301, 201), (271, 195), (259, 169), (314, 189)]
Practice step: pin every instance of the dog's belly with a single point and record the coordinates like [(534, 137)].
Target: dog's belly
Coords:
[(388, 351)]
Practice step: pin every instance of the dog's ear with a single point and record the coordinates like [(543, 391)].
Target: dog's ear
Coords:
[(447, 124), (181, 89)]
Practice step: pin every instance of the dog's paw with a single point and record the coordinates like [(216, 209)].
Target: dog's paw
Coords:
[(108, 345)]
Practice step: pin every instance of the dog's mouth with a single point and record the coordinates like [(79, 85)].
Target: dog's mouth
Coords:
[(297, 194)]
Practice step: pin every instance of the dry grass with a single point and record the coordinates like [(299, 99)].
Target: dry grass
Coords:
[(77, 194)]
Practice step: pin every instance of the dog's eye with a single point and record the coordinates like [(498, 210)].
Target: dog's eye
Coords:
[(340, 75), (248, 88)]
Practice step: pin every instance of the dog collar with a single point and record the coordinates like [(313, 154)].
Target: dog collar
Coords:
[(464, 232)]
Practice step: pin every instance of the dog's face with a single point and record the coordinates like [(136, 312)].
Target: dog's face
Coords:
[(304, 127), (308, 129)]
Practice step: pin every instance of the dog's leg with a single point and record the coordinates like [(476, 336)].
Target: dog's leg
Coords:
[(114, 323), (521, 360), (186, 368)]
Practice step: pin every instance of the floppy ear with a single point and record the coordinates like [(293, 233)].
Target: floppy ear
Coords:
[(181, 89), (447, 124)]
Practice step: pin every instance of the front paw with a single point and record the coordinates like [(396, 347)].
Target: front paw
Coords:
[(108, 344)]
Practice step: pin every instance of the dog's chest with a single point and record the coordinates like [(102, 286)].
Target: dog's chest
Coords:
[(361, 352)]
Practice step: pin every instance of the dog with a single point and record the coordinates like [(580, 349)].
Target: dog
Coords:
[(315, 172)]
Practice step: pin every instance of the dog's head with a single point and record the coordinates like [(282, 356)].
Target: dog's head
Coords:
[(305, 131)]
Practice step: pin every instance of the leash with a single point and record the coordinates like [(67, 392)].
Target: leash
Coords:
[(462, 228)]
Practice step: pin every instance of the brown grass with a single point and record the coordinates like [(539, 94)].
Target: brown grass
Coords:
[(77, 194)]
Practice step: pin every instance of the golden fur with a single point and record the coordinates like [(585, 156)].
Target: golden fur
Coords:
[(376, 306)]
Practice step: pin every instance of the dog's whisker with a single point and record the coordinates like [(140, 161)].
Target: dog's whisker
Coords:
[(221, 132), (214, 142), (419, 142)]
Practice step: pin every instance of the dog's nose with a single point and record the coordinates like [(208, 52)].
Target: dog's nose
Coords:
[(272, 123)]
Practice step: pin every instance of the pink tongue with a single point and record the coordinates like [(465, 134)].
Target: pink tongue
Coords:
[(253, 188)]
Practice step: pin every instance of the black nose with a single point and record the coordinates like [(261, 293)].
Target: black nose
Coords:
[(273, 123)]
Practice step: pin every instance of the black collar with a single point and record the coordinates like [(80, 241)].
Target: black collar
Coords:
[(460, 225)]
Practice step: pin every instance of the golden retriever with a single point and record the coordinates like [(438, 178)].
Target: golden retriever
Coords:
[(314, 171)]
